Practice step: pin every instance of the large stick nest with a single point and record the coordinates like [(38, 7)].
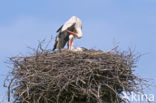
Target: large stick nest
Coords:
[(89, 76)]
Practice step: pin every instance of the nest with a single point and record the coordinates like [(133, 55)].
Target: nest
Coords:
[(90, 76)]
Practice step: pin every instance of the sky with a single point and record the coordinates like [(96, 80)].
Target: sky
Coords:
[(128, 23)]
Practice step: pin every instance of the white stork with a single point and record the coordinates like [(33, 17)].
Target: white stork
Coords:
[(67, 32)]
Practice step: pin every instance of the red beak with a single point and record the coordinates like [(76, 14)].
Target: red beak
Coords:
[(72, 33)]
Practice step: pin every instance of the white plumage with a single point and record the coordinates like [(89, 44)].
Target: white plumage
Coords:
[(78, 25), (67, 32)]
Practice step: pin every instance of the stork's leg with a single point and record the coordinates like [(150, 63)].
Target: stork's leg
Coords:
[(71, 38), (71, 44)]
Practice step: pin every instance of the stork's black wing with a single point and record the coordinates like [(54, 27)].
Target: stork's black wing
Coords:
[(55, 45), (63, 37), (71, 28), (59, 29), (61, 40)]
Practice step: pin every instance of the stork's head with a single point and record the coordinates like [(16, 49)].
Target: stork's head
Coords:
[(79, 32), (73, 26), (75, 30)]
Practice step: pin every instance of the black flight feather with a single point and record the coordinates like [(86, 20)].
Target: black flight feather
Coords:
[(63, 37)]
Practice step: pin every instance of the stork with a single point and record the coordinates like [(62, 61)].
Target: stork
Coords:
[(68, 32)]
